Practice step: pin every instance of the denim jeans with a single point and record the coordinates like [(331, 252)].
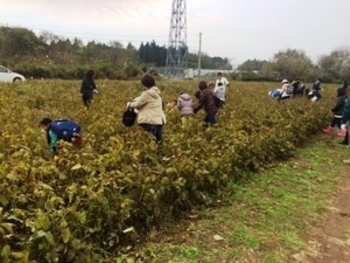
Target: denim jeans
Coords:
[(156, 130), (210, 118)]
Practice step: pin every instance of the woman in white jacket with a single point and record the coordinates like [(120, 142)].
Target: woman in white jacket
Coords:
[(151, 116), (285, 90)]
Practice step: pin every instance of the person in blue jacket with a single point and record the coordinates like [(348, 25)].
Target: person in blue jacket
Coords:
[(65, 130)]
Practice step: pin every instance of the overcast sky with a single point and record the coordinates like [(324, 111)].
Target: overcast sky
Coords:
[(236, 29)]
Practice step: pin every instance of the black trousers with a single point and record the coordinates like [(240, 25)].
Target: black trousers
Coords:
[(87, 99), (336, 121)]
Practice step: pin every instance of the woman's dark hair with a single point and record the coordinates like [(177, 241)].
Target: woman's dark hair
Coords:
[(202, 85), (90, 72), (148, 81), (45, 121)]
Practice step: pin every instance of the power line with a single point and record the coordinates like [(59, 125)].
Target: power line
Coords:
[(103, 35)]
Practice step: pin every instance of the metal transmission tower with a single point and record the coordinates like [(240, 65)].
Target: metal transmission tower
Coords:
[(176, 60)]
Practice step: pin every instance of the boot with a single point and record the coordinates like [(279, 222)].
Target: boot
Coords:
[(329, 130), (346, 139), (342, 133)]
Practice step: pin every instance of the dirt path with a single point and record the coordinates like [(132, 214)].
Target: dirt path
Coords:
[(329, 241)]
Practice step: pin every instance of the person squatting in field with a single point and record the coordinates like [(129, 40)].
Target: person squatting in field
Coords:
[(186, 107), (88, 87), (286, 90), (65, 130), (151, 116), (283, 93), (206, 101), (338, 112)]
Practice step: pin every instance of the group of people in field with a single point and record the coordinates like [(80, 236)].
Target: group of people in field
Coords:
[(296, 89), (149, 108), (341, 109)]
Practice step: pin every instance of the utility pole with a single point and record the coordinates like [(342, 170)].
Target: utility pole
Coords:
[(199, 54)]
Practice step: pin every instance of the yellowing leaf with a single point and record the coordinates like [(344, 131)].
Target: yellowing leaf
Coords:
[(82, 217), (7, 227), (65, 235), (5, 251), (130, 229), (76, 167), (50, 239), (3, 200)]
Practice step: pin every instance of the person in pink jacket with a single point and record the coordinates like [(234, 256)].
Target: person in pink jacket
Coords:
[(186, 106)]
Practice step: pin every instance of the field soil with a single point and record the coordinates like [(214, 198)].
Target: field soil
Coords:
[(329, 240)]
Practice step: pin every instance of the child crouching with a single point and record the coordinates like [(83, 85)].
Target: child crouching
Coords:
[(65, 130)]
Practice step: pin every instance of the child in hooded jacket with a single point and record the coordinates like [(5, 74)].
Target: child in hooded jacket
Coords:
[(338, 112), (186, 107)]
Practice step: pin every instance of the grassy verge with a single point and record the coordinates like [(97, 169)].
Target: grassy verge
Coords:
[(266, 219)]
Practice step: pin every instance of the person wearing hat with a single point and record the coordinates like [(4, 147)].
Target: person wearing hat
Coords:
[(285, 90)]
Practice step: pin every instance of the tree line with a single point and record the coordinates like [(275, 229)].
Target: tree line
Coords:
[(333, 67), (50, 56)]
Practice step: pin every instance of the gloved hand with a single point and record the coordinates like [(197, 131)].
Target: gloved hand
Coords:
[(343, 127), (128, 105), (95, 91)]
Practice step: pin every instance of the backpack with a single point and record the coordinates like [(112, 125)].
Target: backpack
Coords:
[(65, 129), (129, 117)]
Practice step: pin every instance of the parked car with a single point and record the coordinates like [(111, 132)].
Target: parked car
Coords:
[(7, 75)]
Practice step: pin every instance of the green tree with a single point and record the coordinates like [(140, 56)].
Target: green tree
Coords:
[(292, 63)]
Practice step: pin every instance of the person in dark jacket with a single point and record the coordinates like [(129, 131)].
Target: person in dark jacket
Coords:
[(344, 120), (296, 87), (338, 112), (206, 101), (88, 87), (316, 87)]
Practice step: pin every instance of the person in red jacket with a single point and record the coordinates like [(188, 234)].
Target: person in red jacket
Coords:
[(206, 101)]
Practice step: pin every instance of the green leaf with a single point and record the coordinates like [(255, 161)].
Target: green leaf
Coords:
[(49, 238), (65, 235), (42, 222), (82, 217), (5, 251), (3, 200)]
